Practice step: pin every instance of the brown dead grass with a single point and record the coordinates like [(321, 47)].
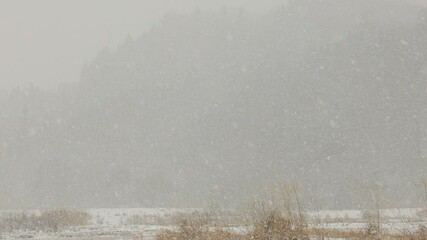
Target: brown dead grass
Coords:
[(193, 235), (335, 233), (259, 235)]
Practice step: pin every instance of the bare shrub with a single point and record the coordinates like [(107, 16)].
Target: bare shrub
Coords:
[(270, 223), (275, 220), (137, 237), (371, 219), (197, 225), (421, 233), (49, 220), (203, 235), (274, 226), (136, 220), (61, 217), (282, 219), (19, 221), (418, 234)]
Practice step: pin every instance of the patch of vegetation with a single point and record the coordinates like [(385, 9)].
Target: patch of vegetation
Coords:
[(48, 220)]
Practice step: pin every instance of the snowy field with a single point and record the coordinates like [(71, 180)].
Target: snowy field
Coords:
[(114, 223)]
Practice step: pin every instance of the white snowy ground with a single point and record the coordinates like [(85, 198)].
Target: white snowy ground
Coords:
[(111, 223)]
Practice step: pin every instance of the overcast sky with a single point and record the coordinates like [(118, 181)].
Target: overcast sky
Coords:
[(45, 42)]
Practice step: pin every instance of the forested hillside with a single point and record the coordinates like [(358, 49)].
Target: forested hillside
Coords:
[(216, 107)]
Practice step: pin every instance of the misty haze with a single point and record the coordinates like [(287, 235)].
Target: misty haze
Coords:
[(293, 119)]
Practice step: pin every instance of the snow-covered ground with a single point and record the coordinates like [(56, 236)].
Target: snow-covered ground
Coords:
[(109, 224), (395, 213), (118, 216)]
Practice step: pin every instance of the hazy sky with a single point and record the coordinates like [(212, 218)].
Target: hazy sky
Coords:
[(45, 42)]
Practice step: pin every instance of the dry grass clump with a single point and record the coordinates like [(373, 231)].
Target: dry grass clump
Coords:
[(419, 234), (283, 219), (272, 224), (136, 220), (65, 217), (200, 235), (49, 220), (19, 221), (197, 227), (137, 237), (335, 233), (357, 235), (280, 220)]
